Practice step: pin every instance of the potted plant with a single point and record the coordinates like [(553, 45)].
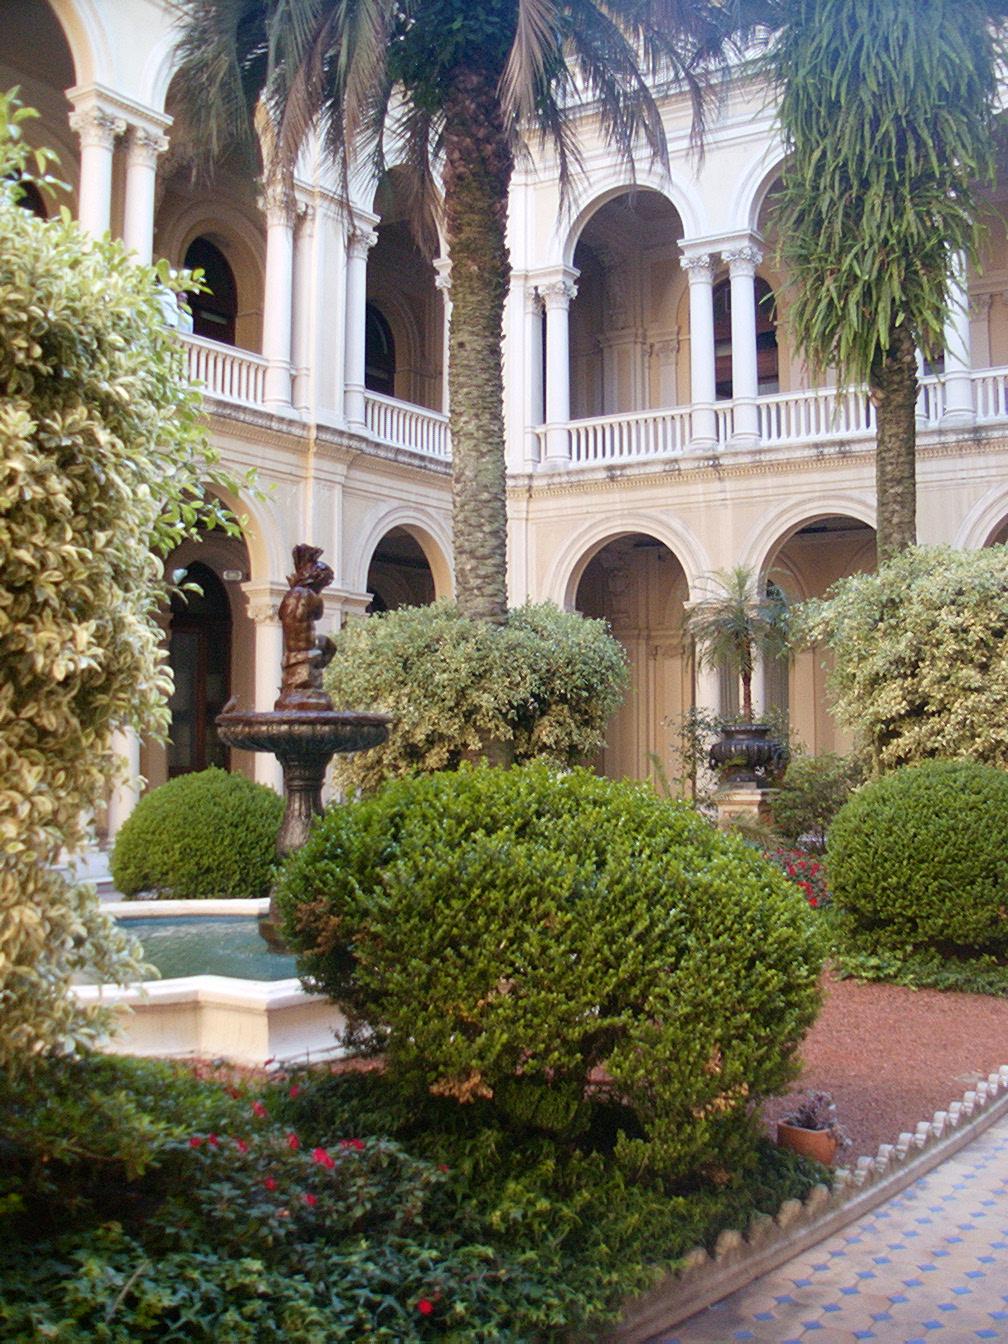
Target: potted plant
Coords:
[(729, 629), (812, 1129)]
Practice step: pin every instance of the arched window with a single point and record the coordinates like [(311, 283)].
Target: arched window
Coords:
[(31, 200), (199, 654), (767, 360), (214, 312), (379, 353)]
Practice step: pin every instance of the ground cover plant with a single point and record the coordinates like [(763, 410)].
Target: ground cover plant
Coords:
[(586, 956), (207, 834), (140, 1203)]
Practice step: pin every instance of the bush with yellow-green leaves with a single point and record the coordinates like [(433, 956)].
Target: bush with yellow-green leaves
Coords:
[(101, 459)]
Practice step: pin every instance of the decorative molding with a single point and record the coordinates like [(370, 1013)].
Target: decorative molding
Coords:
[(146, 146), (742, 260), (360, 241), (558, 293), (699, 267), (96, 127)]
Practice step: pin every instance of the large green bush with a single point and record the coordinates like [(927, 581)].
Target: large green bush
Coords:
[(921, 655), (812, 792), (502, 935), (201, 835), (545, 684), (101, 463), (917, 858)]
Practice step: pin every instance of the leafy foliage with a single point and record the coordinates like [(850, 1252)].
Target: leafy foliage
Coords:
[(734, 624), (502, 935), (921, 655), (811, 794), (101, 464), (201, 835), (546, 683), (916, 859), (141, 1204)]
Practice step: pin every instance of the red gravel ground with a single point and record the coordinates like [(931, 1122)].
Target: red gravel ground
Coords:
[(892, 1057)]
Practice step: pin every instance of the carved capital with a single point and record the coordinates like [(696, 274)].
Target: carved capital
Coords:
[(442, 274), (533, 300), (360, 241), (146, 145), (558, 293), (97, 128), (699, 267), (264, 613), (980, 305), (276, 201), (742, 260)]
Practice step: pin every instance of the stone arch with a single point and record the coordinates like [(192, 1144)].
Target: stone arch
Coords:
[(983, 520), (608, 187), (428, 532), (573, 558), (262, 533), (777, 527), (755, 186), (240, 238), (89, 43)]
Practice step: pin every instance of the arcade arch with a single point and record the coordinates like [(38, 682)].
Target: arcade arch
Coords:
[(399, 574)]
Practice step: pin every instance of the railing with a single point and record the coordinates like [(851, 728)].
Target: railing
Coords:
[(990, 394), (619, 438), (402, 425), (799, 417), (232, 375)]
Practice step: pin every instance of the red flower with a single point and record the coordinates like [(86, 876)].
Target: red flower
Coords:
[(212, 1140), (356, 1144), (258, 1109), (241, 1145), (425, 1306), (293, 1142), (311, 1200), (195, 1141), (270, 1183), (320, 1156), (295, 1090), (443, 1166), (813, 901)]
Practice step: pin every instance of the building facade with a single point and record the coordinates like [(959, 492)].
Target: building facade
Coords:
[(660, 426)]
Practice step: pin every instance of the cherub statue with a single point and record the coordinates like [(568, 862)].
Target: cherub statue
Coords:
[(305, 654)]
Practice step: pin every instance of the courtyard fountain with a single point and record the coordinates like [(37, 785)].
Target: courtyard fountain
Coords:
[(302, 730)]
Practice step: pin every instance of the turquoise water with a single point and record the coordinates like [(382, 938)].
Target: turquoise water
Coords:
[(209, 945)]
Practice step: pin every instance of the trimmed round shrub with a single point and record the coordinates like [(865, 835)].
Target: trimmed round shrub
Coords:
[(917, 858), (570, 951), (209, 834)]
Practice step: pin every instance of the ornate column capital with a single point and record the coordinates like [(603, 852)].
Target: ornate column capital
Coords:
[(263, 601), (146, 145), (276, 201), (360, 241), (558, 293), (699, 267), (442, 274), (97, 127), (743, 260), (533, 300)]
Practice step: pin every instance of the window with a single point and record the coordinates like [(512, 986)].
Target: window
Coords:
[(379, 353), (214, 312)]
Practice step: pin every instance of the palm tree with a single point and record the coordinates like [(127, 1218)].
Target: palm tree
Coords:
[(733, 625), (887, 108), (459, 85)]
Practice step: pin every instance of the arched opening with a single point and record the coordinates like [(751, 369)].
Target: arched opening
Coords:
[(36, 57), (805, 564), (379, 353), (767, 355), (199, 654), (636, 584), (215, 309), (30, 199), (999, 537), (625, 344), (399, 574)]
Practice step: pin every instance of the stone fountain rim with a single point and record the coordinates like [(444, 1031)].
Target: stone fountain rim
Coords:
[(262, 718)]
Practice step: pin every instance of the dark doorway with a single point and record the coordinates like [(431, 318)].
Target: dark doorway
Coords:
[(379, 353), (200, 660), (214, 312)]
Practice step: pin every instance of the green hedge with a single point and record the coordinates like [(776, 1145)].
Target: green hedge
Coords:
[(502, 935), (811, 794), (917, 858), (209, 834)]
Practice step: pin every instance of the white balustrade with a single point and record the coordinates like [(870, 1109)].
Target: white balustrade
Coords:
[(618, 438), (232, 375), (403, 425), (823, 413), (990, 394)]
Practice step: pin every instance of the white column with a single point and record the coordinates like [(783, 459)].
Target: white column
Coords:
[(126, 746), (707, 692), (278, 298), (304, 310), (264, 607), (557, 296), (98, 130), (700, 274), (959, 408), (141, 179), (742, 263), (359, 243), (535, 410), (442, 282)]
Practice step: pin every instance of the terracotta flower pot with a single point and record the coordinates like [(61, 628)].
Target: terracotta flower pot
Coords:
[(819, 1144)]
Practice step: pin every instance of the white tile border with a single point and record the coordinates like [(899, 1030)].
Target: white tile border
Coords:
[(127, 910)]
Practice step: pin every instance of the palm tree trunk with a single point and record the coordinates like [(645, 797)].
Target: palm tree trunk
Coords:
[(477, 176), (894, 390)]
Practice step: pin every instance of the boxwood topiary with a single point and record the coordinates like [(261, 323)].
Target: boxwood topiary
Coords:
[(917, 858), (504, 935), (200, 835)]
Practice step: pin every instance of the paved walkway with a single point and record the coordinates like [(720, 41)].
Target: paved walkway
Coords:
[(928, 1267)]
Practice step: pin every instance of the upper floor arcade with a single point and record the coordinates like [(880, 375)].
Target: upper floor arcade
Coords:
[(645, 321)]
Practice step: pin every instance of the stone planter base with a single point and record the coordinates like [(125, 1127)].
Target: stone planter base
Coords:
[(819, 1144)]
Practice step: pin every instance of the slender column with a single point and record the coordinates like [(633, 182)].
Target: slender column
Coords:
[(700, 274), (742, 263), (264, 609), (98, 130), (141, 179), (126, 746), (959, 409), (359, 243), (304, 309), (557, 297), (278, 298), (534, 347), (707, 692), (442, 282)]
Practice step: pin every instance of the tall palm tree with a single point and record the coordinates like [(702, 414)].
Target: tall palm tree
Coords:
[(460, 85), (887, 107)]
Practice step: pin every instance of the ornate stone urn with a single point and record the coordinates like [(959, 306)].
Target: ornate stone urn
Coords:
[(745, 753), (302, 730)]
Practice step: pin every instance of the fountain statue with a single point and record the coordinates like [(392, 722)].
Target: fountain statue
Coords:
[(302, 729)]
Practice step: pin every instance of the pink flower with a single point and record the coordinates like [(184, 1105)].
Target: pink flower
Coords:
[(356, 1144), (241, 1145), (295, 1090), (425, 1306), (270, 1183), (195, 1141), (293, 1142), (320, 1156), (259, 1110)]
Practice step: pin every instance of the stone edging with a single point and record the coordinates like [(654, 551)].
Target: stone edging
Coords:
[(739, 1258)]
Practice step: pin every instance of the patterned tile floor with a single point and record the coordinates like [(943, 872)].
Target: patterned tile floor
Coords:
[(928, 1267)]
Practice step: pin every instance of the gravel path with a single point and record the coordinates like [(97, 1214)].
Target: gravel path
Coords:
[(892, 1056)]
